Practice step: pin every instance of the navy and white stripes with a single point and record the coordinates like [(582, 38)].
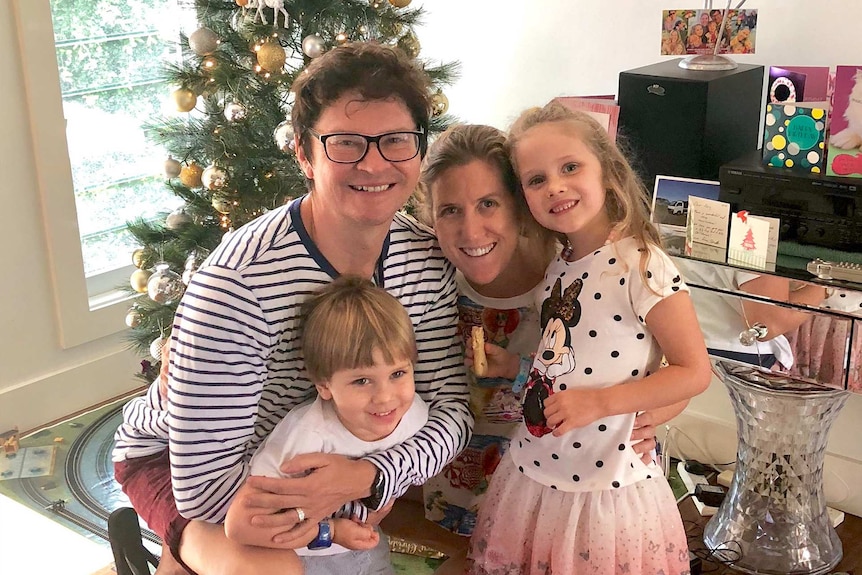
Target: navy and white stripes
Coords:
[(236, 366)]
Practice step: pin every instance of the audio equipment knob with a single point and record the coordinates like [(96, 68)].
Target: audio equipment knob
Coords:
[(802, 230)]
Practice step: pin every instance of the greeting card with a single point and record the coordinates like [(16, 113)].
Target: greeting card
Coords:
[(794, 136), (753, 241), (706, 228), (602, 108), (845, 140), (785, 86)]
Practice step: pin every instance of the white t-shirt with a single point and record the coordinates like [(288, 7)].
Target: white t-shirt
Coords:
[(607, 343), (314, 427)]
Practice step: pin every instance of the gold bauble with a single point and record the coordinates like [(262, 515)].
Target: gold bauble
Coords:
[(241, 2), (190, 175), (400, 3), (138, 257), (271, 56), (409, 44), (139, 280), (221, 204), (341, 39), (185, 99), (439, 104)]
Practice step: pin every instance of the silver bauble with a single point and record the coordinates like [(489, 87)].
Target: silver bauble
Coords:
[(203, 41), (177, 219), (133, 318), (165, 286), (172, 168), (313, 46), (235, 112), (283, 136), (156, 347), (214, 178)]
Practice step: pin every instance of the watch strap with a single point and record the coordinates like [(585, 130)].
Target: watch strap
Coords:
[(373, 501), (324, 536)]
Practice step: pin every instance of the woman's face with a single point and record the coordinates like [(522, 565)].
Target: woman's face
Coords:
[(475, 220)]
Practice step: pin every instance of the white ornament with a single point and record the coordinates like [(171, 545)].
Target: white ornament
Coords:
[(235, 112), (165, 286), (177, 219), (156, 347), (204, 41), (313, 46), (283, 136), (214, 178)]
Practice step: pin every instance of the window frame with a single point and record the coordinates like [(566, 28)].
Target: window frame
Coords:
[(86, 309)]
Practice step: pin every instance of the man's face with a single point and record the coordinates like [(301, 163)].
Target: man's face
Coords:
[(369, 192)]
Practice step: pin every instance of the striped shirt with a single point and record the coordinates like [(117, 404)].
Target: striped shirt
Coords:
[(237, 369)]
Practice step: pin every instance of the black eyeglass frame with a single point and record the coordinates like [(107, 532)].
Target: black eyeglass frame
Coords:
[(420, 147)]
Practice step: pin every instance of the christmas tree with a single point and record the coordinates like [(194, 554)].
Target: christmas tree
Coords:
[(231, 156)]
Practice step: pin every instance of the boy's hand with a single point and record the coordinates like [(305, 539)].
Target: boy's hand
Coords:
[(354, 534), (501, 363)]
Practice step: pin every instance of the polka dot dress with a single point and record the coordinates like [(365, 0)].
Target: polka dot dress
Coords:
[(588, 487)]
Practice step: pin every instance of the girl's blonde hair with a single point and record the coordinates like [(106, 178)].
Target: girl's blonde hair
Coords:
[(626, 198), (343, 323), (464, 143)]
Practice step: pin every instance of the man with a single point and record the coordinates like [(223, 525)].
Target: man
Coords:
[(361, 119)]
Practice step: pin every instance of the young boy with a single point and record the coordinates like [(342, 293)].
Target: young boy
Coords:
[(359, 350)]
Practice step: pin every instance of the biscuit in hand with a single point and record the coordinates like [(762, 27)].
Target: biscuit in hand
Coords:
[(480, 361)]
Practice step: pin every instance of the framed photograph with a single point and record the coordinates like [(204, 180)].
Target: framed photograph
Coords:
[(670, 202)]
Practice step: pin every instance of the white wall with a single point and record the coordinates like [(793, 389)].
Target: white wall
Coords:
[(515, 54), (40, 381)]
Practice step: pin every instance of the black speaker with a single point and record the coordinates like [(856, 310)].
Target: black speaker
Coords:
[(688, 123)]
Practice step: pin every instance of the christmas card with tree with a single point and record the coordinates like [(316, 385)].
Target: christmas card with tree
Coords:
[(794, 136), (845, 137), (753, 241)]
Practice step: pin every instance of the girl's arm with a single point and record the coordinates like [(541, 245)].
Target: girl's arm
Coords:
[(673, 323)]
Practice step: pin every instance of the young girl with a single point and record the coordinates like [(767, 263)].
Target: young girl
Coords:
[(359, 350), (571, 496)]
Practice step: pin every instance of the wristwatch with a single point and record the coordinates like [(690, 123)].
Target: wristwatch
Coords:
[(324, 536), (373, 501)]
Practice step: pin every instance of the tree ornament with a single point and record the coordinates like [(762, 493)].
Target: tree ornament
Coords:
[(241, 3), (203, 41), (134, 318), (172, 168), (208, 64), (156, 347), (138, 257), (341, 39), (235, 112), (271, 56), (185, 99), (177, 219), (376, 4), (164, 286), (313, 46), (409, 44), (400, 3), (190, 175), (221, 204), (439, 103), (139, 279), (214, 178), (283, 136), (193, 263)]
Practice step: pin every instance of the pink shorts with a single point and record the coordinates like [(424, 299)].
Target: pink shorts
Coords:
[(147, 483)]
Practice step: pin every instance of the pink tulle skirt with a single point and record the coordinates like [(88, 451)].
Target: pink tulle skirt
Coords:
[(525, 528)]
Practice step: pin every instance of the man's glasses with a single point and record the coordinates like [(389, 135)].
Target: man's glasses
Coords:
[(347, 148)]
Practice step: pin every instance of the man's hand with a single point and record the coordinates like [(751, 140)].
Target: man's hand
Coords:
[(319, 483), (242, 523), (643, 434)]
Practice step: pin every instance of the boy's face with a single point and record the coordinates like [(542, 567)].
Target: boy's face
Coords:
[(370, 401)]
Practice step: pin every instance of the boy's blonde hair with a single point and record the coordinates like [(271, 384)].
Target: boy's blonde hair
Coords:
[(346, 321), (626, 198)]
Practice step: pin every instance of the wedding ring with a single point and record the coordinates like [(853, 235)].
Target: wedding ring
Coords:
[(300, 514)]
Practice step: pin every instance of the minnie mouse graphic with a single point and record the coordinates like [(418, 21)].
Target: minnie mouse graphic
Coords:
[(560, 312)]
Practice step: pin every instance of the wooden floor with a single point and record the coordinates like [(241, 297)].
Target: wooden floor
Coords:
[(850, 533)]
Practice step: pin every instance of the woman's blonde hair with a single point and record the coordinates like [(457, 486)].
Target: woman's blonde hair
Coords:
[(626, 198), (346, 321), (464, 143)]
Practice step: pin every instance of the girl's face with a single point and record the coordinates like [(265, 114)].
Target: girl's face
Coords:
[(563, 184), (475, 220)]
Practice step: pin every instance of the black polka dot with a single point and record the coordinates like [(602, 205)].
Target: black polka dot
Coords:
[(521, 469), (648, 274), (603, 427), (676, 280), (536, 463), (527, 439), (553, 486), (616, 483), (635, 372), (640, 319), (622, 281), (520, 444), (585, 276), (576, 478), (576, 445), (842, 295), (597, 252), (621, 447), (612, 261), (615, 353), (599, 463), (563, 387), (548, 288), (562, 274), (618, 318), (674, 288), (632, 465), (641, 336), (554, 456), (588, 370), (649, 476), (598, 296), (593, 333)]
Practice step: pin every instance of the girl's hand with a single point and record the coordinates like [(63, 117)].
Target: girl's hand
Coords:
[(573, 408), (501, 363)]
